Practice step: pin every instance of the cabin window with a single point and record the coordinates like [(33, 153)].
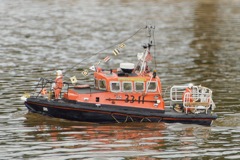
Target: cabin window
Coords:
[(96, 83), (139, 86), (102, 84), (127, 86), (152, 86), (115, 86)]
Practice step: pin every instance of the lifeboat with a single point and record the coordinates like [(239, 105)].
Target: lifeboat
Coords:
[(130, 93)]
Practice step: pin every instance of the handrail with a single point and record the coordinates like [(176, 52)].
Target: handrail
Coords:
[(46, 83), (203, 101), (199, 98)]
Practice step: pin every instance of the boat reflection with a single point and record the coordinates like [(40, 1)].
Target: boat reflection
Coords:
[(125, 136), (117, 136)]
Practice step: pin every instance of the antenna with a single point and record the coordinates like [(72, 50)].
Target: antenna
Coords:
[(146, 55)]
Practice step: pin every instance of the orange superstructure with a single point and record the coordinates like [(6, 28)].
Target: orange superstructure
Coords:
[(122, 89)]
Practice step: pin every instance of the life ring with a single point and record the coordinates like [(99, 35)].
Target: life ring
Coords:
[(43, 91)]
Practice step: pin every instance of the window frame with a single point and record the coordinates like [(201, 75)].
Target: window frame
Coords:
[(96, 84), (99, 86), (135, 89), (151, 90), (125, 82), (111, 89)]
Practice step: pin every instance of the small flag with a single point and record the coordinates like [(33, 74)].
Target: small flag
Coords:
[(85, 72), (93, 68), (73, 79), (106, 59), (122, 45), (148, 57), (25, 96), (140, 56), (116, 52), (98, 63)]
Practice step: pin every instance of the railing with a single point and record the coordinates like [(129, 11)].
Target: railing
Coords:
[(196, 101), (45, 88)]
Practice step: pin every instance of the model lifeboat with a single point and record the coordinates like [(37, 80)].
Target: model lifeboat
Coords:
[(130, 93)]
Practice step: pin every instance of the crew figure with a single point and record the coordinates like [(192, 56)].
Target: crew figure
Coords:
[(58, 84), (188, 90)]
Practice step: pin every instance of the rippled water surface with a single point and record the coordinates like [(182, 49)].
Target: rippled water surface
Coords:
[(196, 41)]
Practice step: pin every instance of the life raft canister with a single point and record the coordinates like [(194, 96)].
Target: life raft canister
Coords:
[(43, 91)]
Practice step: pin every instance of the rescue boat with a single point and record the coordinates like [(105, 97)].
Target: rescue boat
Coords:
[(130, 93)]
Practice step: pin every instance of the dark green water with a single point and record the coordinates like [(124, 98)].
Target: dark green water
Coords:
[(196, 41)]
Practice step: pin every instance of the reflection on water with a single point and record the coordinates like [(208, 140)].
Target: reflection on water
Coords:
[(64, 139), (206, 44), (197, 41), (112, 134)]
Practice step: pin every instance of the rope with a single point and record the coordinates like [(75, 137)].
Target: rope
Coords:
[(149, 120), (154, 50), (146, 119), (104, 49), (131, 119), (115, 118), (160, 120), (127, 119), (166, 90), (149, 84)]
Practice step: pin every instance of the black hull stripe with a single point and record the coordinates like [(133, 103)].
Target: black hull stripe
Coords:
[(92, 111), (163, 116)]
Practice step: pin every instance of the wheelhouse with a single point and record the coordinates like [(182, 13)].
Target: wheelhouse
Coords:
[(113, 82)]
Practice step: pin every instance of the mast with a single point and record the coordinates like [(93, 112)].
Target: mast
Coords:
[(146, 55)]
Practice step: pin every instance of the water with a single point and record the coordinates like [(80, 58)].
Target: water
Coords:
[(197, 41)]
